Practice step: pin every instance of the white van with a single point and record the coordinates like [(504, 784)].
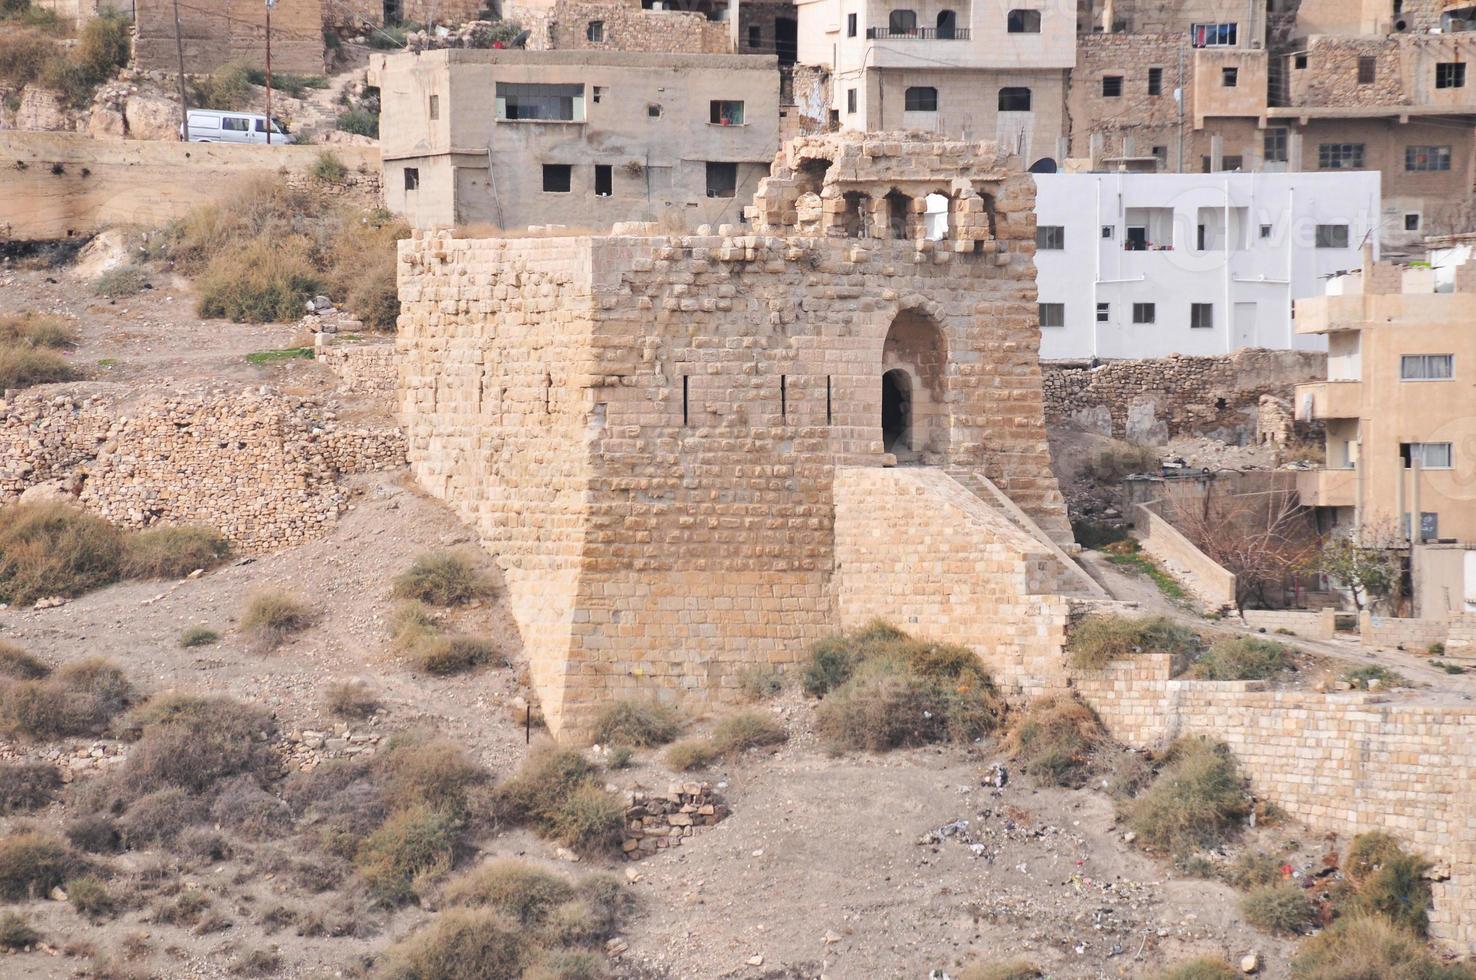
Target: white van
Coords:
[(215, 126)]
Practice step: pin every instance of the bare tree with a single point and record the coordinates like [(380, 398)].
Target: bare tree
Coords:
[(1367, 564)]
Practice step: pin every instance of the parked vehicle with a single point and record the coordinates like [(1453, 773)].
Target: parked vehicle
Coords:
[(215, 126)]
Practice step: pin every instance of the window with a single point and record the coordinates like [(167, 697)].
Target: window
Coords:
[(850, 100), (1426, 367), (1450, 74), (1201, 316), (235, 124), (604, 180), (850, 25), (1340, 156), (1368, 70), (1426, 158), (1430, 455), (1213, 35), (435, 107), (1229, 77), (1104, 312), (1332, 236), (1053, 314), (1023, 22), (595, 31), (653, 110), (902, 22), (1265, 231), (1299, 62), (557, 178), (1232, 162), (722, 179), (1111, 86), (723, 112), (1201, 238), (597, 93), (1050, 237), (412, 178), (1161, 153), (1144, 313), (528, 100), (1411, 222), (1014, 100), (920, 98), (1273, 145), (755, 36), (1107, 231), (1155, 81)]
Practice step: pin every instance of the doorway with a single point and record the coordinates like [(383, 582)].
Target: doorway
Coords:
[(897, 412)]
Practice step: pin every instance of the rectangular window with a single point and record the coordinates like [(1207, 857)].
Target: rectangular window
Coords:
[(1430, 455), (653, 110), (1450, 74), (1229, 77), (546, 103), (1299, 62), (755, 36), (722, 179), (850, 100), (1162, 154), (1332, 236), (1050, 237), (1107, 231), (725, 112), (1201, 316), (920, 98), (1104, 312), (1273, 145), (412, 178), (557, 178), (1155, 81), (1426, 158), (1213, 35), (1144, 313), (1053, 314), (1368, 70), (1411, 222), (850, 25), (234, 125), (1427, 367), (1232, 163), (1111, 86), (435, 107), (604, 180), (597, 92), (1265, 231), (1340, 156)]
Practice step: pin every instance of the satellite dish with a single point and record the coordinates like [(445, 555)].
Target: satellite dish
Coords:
[(521, 39)]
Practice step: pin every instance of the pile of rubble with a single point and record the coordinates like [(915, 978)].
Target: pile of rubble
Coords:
[(306, 748), (471, 34), (71, 758), (655, 822)]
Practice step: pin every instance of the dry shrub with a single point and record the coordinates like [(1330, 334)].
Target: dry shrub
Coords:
[(519, 890), (1012, 970), (95, 833), (459, 944), (568, 964), (261, 282), (32, 864), (91, 898), (1243, 658), (1282, 908), (33, 330), (452, 653), (1056, 740), (184, 910), (1202, 968), (258, 963), (1367, 946), (27, 785), (557, 793), (363, 270), (196, 742), (160, 816), (640, 724), (746, 730), (272, 615), (26, 55), (173, 552), (81, 698), (441, 578), (22, 367), (408, 852), (1254, 869), (691, 753), (834, 659), (50, 549), (129, 280), (198, 636), (434, 772), (1389, 881), (1195, 801), (1098, 640), (16, 933), (243, 806), (887, 705), (17, 664), (761, 683), (228, 87), (354, 699)]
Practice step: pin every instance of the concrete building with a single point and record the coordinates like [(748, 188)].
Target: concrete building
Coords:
[(1399, 405), (576, 138), (1141, 265), (982, 70)]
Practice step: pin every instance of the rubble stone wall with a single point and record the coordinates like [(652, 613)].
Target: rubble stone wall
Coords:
[(1344, 762), (353, 13), (262, 469), (224, 32), (1152, 400), (564, 26), (368, 369)]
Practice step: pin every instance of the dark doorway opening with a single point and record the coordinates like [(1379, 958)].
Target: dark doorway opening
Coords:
[(394, 12), (786, 40), (896, 411)]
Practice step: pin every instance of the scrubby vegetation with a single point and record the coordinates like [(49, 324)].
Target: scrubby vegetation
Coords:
[(1128, 555), (1243, 658), (351, 699), (557, 792), (30, 351), (1196, 800), (1098, 640), (173, 552), (198, 636), (883, 690), (761, 683), (81, 698), (328, 168), (1389, 882), (423, 640), (1056, 740), (31, 54), (260, 256), (32, 864), (1281, 908), (639, 724), (1012, 970), (1359, 946), (442, 578), (1203, 968), (1362, 677), (129, 280), (730, 737), (272, 615), (27, 785)]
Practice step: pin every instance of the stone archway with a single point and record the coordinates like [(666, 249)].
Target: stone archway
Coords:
[(897, 412), (915, 421)]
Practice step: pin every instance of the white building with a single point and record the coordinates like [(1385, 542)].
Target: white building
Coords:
[(1140, 265), (982, 69)]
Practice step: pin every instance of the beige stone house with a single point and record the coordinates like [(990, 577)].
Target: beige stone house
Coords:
[(576, 138)]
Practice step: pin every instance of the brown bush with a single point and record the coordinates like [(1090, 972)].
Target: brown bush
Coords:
[(1202, 968), (887, 704), (744, 730), (1056, 740), (22, 367), (272, 615), (1011, 970), (1098, 640), (195, 742), (523, 892), (18, 664), (259, 282), (640, 724), (1389, 881), (32, 864), (31, 330), (91, 898), (433, 772), (1196, 800), (688, 754), (79, 699), (1360, 946), (160, 816), (556, 792), (351, 699), (51, 549), (1281, 908), (27, 785), (363, 271), (16, 933), (408, 852), (461, 943), (26, 55), (452, 653), (243, 806), (173, 552), (95, 833), (442, 578)]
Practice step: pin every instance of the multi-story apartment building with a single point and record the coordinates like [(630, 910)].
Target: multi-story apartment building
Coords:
[(1146, 265), (981, 69), (1320, 85), (576, 138)]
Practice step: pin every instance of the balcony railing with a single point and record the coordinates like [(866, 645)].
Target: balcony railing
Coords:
[(923, 33)]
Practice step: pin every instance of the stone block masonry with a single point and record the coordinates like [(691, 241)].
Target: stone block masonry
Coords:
[(655, 822), (645, 428)]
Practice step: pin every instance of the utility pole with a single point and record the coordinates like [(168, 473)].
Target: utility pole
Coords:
[(184, 102), (269, 5)]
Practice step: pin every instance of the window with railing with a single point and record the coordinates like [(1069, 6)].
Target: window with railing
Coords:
[(920, 33)]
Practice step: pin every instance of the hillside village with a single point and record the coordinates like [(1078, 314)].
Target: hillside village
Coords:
[(570, 489)]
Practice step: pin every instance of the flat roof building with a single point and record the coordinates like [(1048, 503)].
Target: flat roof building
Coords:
[(583, 139)]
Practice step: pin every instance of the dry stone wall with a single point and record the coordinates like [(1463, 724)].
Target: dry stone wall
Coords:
[(565, 26)]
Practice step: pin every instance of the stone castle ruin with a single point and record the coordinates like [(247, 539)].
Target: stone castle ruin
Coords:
[(694, 454)]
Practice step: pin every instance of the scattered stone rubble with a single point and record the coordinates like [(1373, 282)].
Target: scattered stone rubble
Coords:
[(307, 748), (656, 822), (72, 758)]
